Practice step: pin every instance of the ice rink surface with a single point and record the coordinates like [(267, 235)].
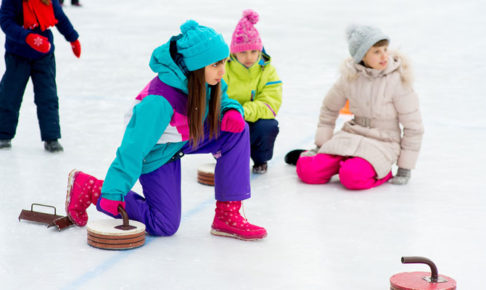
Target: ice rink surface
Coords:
[(319, 236)]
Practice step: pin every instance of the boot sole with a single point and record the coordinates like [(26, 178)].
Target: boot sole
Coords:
[(225, 234), (71, 176)]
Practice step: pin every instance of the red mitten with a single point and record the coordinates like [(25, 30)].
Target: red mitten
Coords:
[(38, 42), (76, 46), (232, 122)]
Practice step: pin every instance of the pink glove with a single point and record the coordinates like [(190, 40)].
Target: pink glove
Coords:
[(76, 46), (109, 207), (232, 122), (38, 42)]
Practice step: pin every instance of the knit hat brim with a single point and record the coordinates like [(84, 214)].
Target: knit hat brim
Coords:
[(235, 48)]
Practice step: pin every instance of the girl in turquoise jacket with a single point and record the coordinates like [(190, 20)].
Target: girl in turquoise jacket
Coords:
[(254, 83), (177, 113)]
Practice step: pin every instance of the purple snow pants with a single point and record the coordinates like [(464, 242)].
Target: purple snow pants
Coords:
[(160, 210)]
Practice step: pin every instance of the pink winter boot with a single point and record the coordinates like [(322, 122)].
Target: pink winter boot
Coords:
[(83, 189), (229, 223)]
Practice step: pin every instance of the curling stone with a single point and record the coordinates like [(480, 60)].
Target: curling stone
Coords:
[(421, 280), (109, 234), (205, 174)]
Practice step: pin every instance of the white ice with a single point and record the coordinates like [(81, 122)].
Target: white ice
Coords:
[(319, 236)]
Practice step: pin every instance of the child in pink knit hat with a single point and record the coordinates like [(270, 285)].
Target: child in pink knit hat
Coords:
[(254, 83)]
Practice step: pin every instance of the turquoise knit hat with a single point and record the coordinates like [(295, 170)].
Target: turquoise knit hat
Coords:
[(200, 45), (361, 38)]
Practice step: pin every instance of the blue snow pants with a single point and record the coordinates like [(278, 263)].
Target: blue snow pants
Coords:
[(262, 139), (160, 209), (12, 88)]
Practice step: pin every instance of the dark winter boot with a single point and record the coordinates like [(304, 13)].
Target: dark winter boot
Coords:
[(83, 190), (229, 223), (5, 143), (53, 146), (292, 157), (260, 168)]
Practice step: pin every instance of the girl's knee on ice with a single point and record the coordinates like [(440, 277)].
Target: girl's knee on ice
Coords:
[(162, 227)]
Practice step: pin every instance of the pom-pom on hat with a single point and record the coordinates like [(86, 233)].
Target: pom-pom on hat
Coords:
[(200, 45), (245, 36), (361, 38)]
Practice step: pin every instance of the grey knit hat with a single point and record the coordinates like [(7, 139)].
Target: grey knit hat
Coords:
[(361, 38)]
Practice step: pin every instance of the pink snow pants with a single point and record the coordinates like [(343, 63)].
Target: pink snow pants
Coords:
[(354, 172)]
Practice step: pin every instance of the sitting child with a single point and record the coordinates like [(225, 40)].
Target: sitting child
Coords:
[(378, 85)]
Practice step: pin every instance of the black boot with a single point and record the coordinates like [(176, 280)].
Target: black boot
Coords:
[(5, 143), (292, 157), (53, 146)]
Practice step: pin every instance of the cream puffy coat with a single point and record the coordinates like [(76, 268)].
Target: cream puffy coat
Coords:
[(381, 101)]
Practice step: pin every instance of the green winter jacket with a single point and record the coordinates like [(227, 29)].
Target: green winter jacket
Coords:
[(258, 88)]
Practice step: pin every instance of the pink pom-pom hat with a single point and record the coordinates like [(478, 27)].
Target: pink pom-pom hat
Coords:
[(245, 36)]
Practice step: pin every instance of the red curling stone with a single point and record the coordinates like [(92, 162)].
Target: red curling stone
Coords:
[(421, 280), (109, 234), (205, 174)]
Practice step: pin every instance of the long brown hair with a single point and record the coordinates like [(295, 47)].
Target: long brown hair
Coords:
[(196, 107)]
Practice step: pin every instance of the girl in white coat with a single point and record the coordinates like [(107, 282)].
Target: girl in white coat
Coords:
[(377, 84)]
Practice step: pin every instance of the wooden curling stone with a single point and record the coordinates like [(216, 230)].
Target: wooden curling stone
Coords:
[(112, 234), (205, 174)]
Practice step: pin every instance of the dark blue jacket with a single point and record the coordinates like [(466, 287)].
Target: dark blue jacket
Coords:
[(12, 20)]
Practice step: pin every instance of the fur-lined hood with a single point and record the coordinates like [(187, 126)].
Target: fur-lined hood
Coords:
[(397, 62)]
